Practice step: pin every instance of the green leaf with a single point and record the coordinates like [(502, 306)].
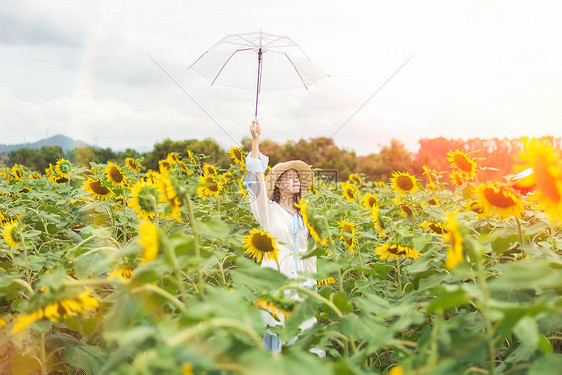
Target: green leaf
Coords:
[(249, 274), (213, 228), (448, 296), (527, 274), (21, 364), (547, 364), (89, 359), (527, 332), (341, 300)]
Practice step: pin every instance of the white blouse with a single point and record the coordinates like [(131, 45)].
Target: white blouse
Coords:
[(285, 226)]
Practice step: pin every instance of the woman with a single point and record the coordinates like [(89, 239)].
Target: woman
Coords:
[(272, 201)]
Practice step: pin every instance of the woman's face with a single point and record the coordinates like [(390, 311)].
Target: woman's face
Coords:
[(289, 182)]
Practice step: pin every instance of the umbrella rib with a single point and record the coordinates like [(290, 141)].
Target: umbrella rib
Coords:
[(226, 62), (296, 70)]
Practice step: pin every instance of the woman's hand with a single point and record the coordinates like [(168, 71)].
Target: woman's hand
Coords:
[(255, 130)]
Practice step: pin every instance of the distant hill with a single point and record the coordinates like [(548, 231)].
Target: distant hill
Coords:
[(63, 141)]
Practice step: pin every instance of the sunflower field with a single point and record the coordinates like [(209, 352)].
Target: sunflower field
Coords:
[(114, 269)]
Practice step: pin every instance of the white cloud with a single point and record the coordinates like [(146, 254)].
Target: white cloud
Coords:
[(483, 69)]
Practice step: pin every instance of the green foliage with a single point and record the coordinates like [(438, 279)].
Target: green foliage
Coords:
[(197, 304)]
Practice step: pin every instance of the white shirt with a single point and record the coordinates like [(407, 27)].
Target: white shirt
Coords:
[(284, 226)]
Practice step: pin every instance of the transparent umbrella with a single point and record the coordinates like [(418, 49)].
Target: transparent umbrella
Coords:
[(238, 60)]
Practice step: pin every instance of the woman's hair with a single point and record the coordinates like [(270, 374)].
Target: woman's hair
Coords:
[(276, 196)]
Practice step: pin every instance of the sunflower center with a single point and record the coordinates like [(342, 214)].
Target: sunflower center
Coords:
[(395, 249), (237, 154), (462, 163), (406, 209), (133, 164), (546, 180), (349, 193), (498, 198), (372, 202), (98, 189), (213, 187), (436, 228), (405, 183), (262, 243), (115, 175)]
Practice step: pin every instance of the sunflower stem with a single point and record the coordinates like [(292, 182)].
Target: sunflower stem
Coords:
[(334, 251), (157, 290), (399, 274), (42, 354), (27, 269), (521, 241), (211, 324), (484, 309), (126, 223), (187, 200), (325, 301)]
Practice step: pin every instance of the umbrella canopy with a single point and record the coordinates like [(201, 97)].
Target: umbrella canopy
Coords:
[(238, 60)]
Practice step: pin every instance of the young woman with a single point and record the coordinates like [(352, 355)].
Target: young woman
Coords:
[(272, 201)]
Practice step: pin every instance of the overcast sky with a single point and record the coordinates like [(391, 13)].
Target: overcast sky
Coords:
[(482, 68)]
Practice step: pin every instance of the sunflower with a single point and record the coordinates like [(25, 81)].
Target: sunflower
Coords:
[(169, 195), (499, 200), (185, 168), (209, 169), (64, 308), (132, 164), (405, 209), (172, 158), (95, 188), (148, 233), (186, 368), (144, 199), (355, 179), (17, 172), (376, 220), (114, 174), (236, 155), (389, 251), (457, 179), (396, 370), (348, 230), (546, 164), (313, 189), (433, 226), (242, 191), (151, 177), (208, 185), (453, 239), (312, 223), (403, 182), (431, 177), (329, 281), (349, 191), (12, 234), (164, 166), (463, 163), (124, 273), (275, 306), (63, 168), (191, 158), (432, 202), (260, 243), (370, 201)]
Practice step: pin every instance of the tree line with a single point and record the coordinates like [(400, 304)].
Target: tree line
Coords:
[(496, 154)]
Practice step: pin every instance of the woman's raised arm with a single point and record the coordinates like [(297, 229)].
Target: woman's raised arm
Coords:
[(255, 130)]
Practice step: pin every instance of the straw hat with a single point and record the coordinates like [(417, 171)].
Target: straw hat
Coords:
[(303, 169)]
